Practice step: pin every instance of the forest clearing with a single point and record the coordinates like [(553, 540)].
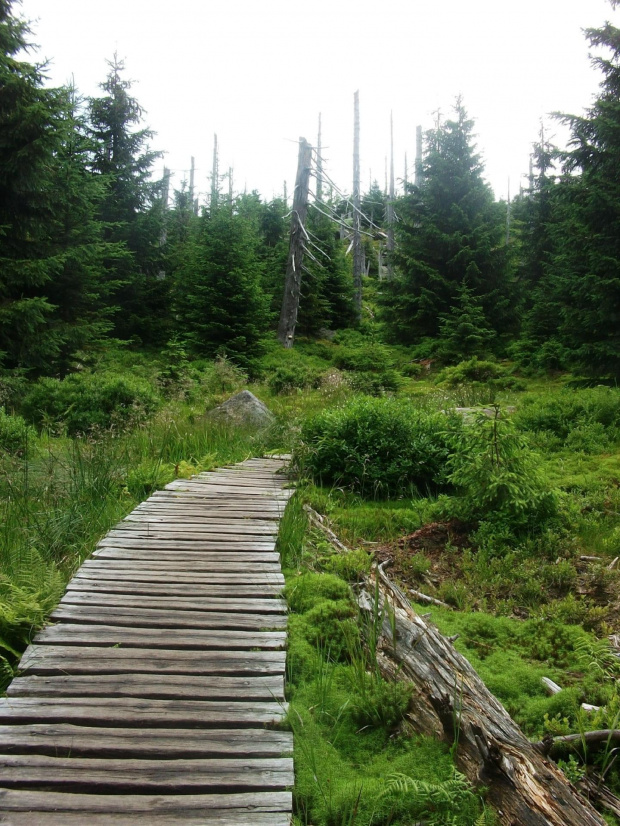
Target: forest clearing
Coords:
[(440, 370)]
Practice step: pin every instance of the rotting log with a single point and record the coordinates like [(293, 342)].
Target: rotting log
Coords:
[(451, 702)]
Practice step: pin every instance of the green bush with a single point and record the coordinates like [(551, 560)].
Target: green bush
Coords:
[(87, 401), (289, 377), (475, 372), (305, 592), (374, 384), (14, 434), (368, 357), (562, 412), (377, 447), (331, 626)]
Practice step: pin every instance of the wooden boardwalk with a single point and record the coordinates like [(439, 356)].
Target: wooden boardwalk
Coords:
[(152, 698)]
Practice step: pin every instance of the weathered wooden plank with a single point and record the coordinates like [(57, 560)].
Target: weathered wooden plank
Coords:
[(205, 578), (198, 529), (170, 638), (181, 817), (157, 618), (216, 505), (162, 687), (199, 565), (185, 556), (132, 712), (213, 489), (216, 542), (178, 604), (66, 739), (142, 776), (238, 589), (73, 659), (253, 803)]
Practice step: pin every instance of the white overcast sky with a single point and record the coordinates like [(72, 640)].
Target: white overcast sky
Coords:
[(258, 72)]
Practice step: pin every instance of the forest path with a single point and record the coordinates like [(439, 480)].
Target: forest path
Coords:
[(153, 697)]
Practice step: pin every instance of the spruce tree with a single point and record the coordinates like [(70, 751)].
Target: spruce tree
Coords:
[(220, 305), (51, 250), (450, 230), (132, 208), (585, 266), (464, 331)]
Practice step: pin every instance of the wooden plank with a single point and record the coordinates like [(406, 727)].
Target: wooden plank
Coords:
[(177, 604), (142, 776), (189, 556), (216, 542), (205, 578), (73, 659), (157, 618), (203, 497), (199, 565), (253, 802), (161, 687), (235, 512), (66, 739), (131, 712), (198, 529), (238, 589), (180, 817), (252, 494), (170, 638)]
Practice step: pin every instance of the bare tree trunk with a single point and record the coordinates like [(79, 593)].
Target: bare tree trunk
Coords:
[(192, 173), (357, 237), (452, 702), (319, 165), (418, 156), (292, 282), (215, 176), (508, 215), (390, 207)]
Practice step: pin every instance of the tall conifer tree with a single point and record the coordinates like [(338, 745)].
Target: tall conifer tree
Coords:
[(450, 232)]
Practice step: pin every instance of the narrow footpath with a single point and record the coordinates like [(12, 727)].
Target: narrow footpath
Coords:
[(154, 696)]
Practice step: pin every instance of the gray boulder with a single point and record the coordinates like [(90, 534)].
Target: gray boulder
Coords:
[(242, 410)]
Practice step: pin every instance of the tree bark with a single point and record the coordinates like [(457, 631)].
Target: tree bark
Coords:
[(452, 702), (292, 281)]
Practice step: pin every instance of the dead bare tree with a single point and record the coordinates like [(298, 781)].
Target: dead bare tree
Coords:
[(358, 263), (298, 234)]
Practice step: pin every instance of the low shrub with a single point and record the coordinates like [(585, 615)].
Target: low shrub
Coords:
[(84, 402), (376, 383), (477, 372), (377, 447), (369, 357), (563, 412), (14, 434), (306, 591), (289, 377)]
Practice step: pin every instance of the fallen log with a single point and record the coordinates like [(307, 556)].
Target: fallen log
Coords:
[(452, 702)]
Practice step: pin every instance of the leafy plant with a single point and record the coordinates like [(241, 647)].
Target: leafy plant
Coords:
[(14, 434), (377, 447), (86, 401)]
